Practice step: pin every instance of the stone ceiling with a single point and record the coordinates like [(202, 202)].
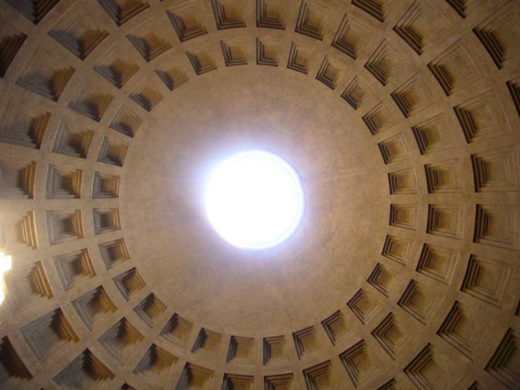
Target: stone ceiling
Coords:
[(401, 118)]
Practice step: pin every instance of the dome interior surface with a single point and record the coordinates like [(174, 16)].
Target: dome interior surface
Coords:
[(401, 118)]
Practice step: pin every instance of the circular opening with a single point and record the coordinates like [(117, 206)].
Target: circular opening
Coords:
[(254, 200)]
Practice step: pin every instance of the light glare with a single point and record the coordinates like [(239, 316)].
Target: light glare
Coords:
[(254, 200), (6, 264)]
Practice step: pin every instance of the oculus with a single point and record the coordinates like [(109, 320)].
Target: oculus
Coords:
[(254, 199)]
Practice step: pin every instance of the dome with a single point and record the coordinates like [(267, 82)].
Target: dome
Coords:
[(400, 119)]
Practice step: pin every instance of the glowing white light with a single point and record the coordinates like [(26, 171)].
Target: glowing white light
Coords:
[(254, 200), (6, 264)]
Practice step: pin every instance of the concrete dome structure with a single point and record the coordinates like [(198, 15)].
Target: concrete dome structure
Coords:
[(401, 118)]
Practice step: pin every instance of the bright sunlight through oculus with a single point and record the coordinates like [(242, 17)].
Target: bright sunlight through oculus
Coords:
[(254, 200)]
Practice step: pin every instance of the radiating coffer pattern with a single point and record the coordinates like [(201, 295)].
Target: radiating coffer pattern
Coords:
[(441, 102)]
